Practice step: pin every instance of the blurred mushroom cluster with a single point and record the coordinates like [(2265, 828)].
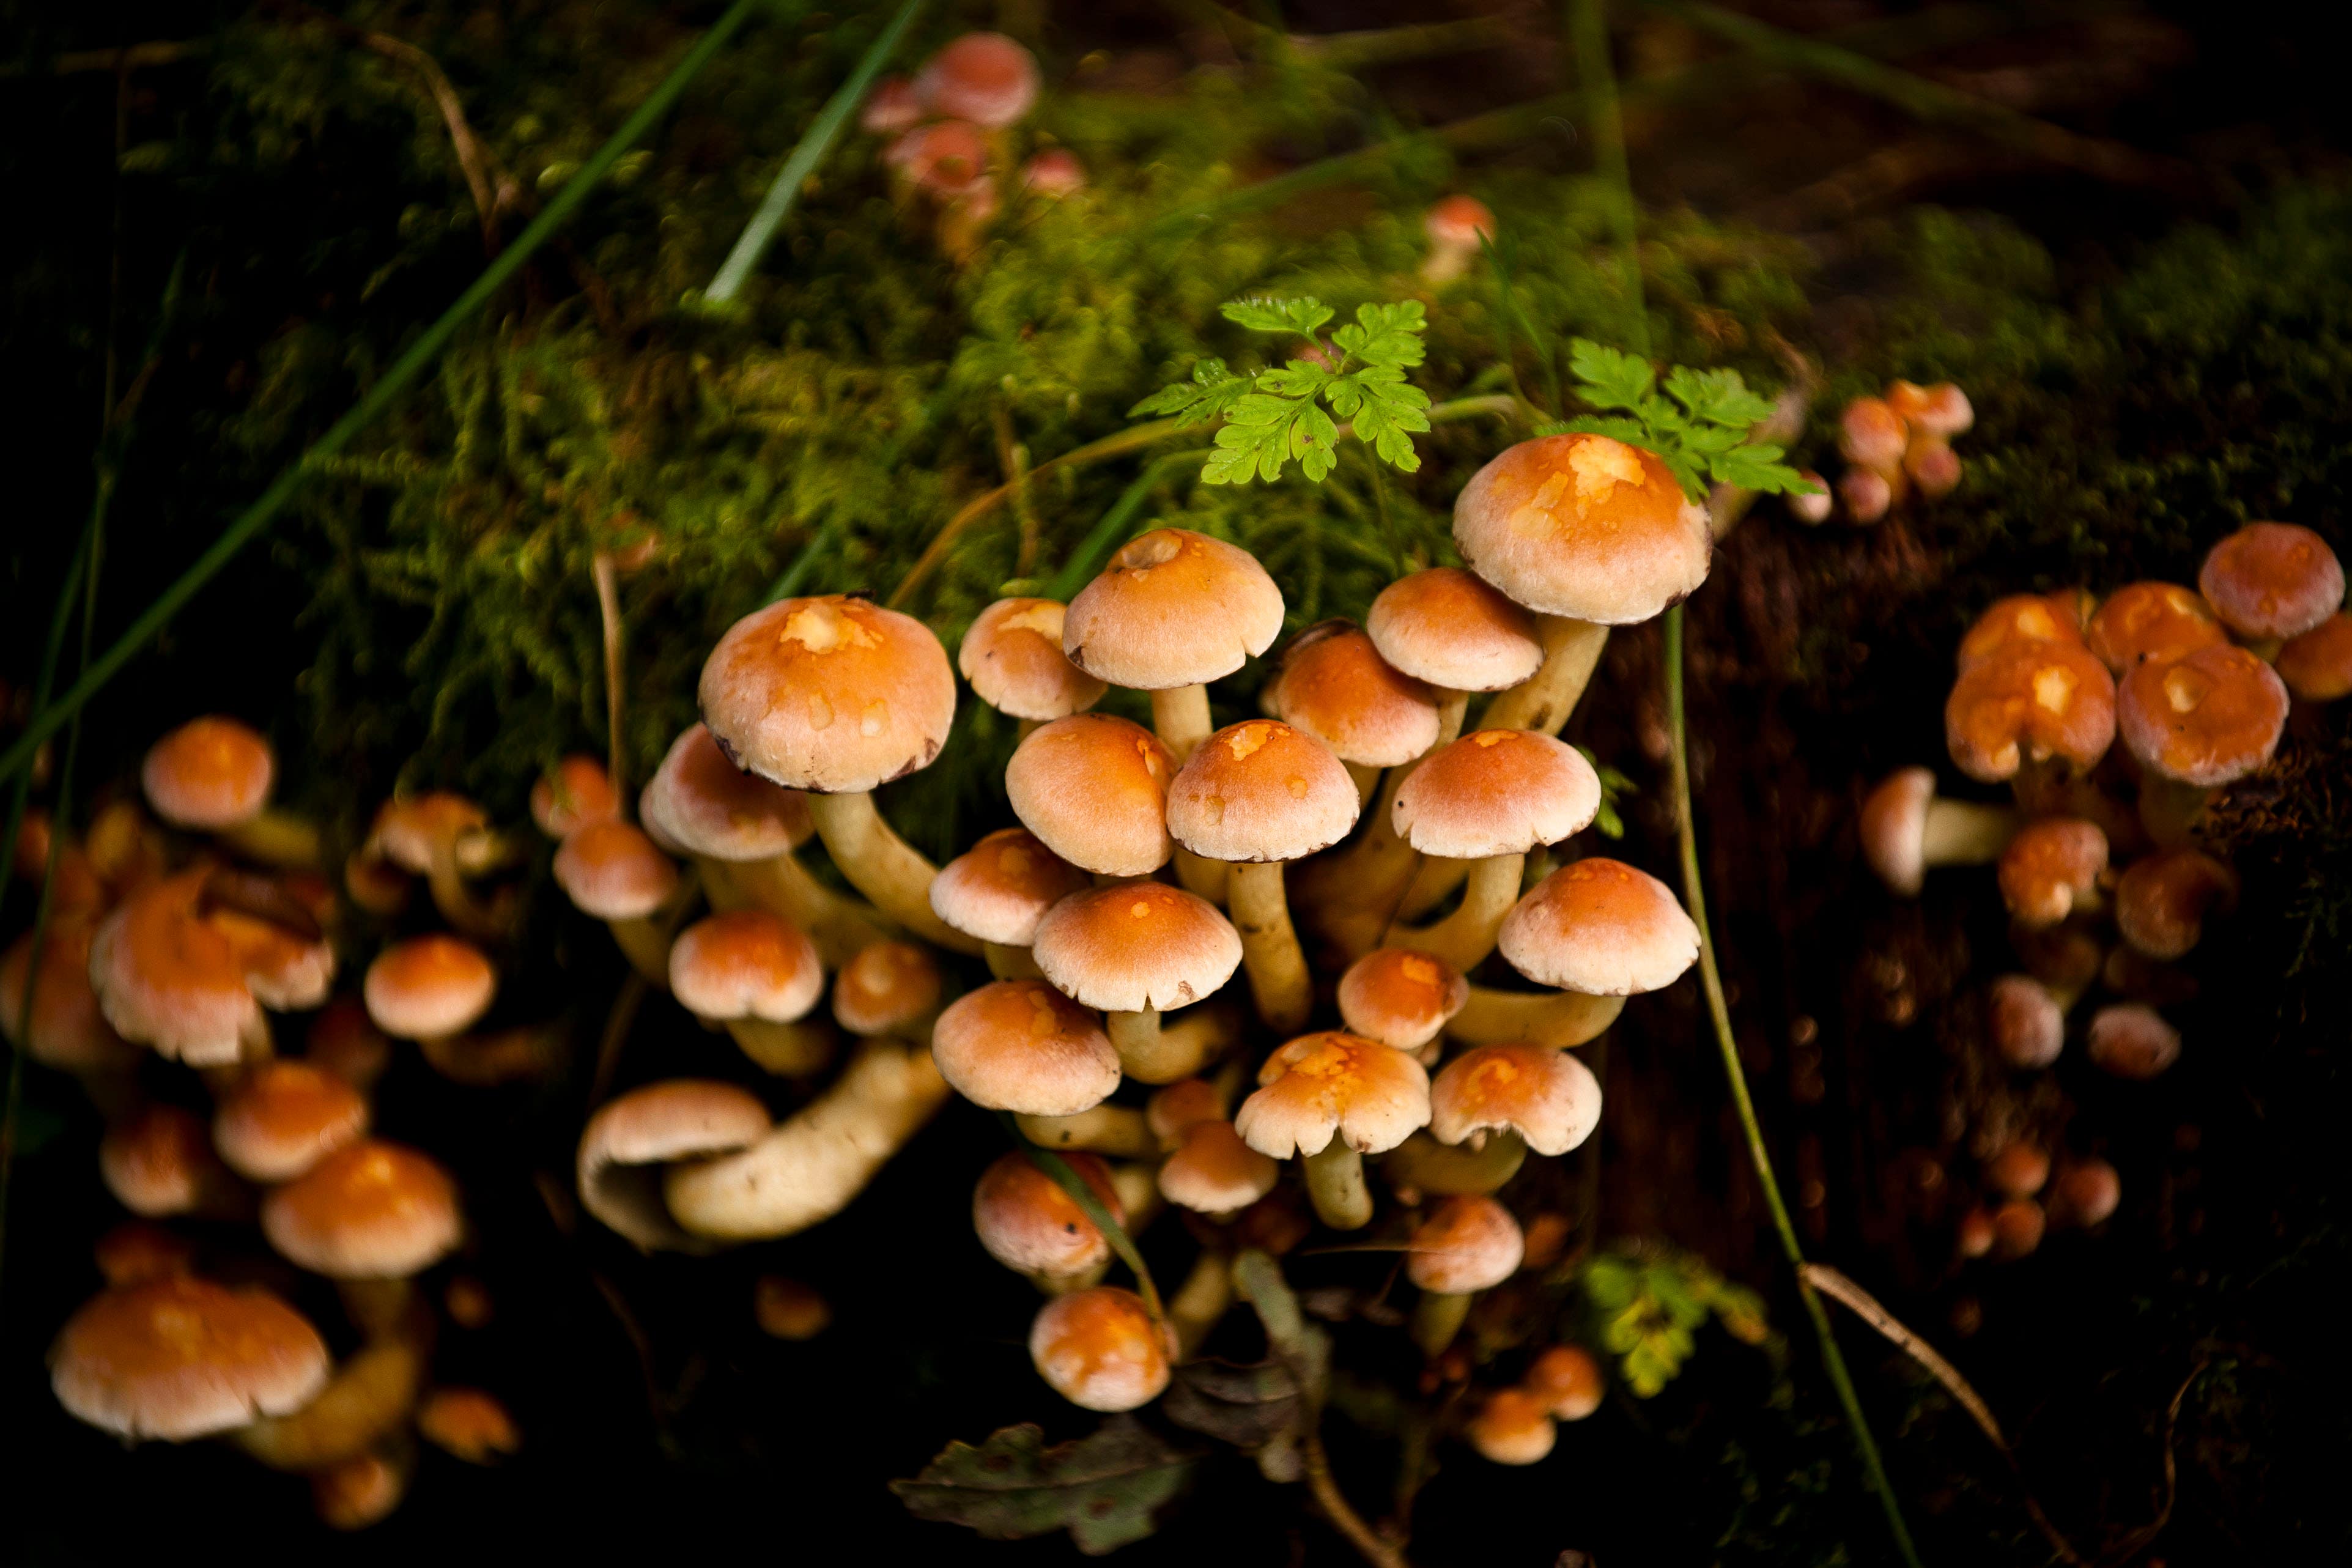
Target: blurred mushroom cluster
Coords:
[(266, 1200), (1894, 446), (2103, 851), (951, 150)]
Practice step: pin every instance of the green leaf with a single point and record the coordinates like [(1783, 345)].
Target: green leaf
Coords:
[(1104, 1488), (1607, 378), (1300, 316), (1385, 334), (1717, 397), (1299, 1345), (1757, 467), (1212, 391)]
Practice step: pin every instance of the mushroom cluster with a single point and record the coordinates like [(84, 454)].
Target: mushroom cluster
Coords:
[(2102, 852), (1894, 446), (951, 130), (175, 947)]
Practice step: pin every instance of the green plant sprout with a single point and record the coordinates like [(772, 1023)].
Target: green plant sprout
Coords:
[(1651, 1308), (1697, 426), (1273, 415)]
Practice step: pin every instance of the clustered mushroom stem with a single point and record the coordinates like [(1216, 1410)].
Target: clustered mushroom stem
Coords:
[(1153, 1052), (1437, 1319), (1367, 779), (1270, 951), (1335, 1181), (370, 1396), (1181, 715), (1011, 962), (645, 941), (1201, 1300), (1466, 937), (2170, 810), (1962, 833), (279, 838), (1544, 700), (471, 918), (1106, 1130), (883, 867), (1451, 707), (1555, 1019), (1201, 878), (840, 927), (788, 1051)]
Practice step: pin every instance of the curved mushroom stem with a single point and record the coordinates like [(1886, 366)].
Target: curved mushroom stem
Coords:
[(481, 920), (277, 838), (781, 885), (1466, 937), (1202, 879), (1335, 1181), (1451, 706), (1201, 1300), (1067, 1284), (1455, 1170), (883, 867), (1554, 1018), (1011, 962), (1106, 1130), (1367, 779), (1543, 701), (800, 1049), (1351, 894), (1962, 833), (1277, 969), (1181, 717), (811, 1167), (645, 941), (1137, 1182), (1433, 881), (1437, 1320), (500, 1056), (370, 1395), (1152, 1052)]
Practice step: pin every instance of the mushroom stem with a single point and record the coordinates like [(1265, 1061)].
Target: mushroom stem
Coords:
[(1181, 715), (1137, 1182), (1543, 701), (369, 1396), (1152, 1052), (1106, 1130), (1466, 937), (380, 1308), (1445, 263), (1451, 707), (1455, 1170), (1010, 962), (1201, 878), (1352, 894), (1367, 778), (481, 920), (798, 1049), (2171, 810), (840, 927), (277, 838), (1962, 833), (1554, 1018), (811, 1167), (1277, 969), (645, 941), (1437, 1320), (1335, 1181), (1201, 1300), (883, 867)]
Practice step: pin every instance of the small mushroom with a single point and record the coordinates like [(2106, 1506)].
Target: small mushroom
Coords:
[(1133, 950), (2052, 868), (1093, 789), (1602, 928), (985, 78), (2162, 899), (158, 1162), (759, 977), (1213, 1172), (573, 793), (613, 871), (431, 987), (1455, 224), (1026, 1222), (892, 106), (2151, 623), (890, 989), (1334, 685), (1568, 1380), (787, 1309), (1013, 655), (2086, 1192), (2026, 1021), (998, 890), (468, 1424), (1021, 1046), (1100, 1349), (2039, 704), (2023, 619), (2132, 1040), (1942, 409), (1401, 996), (1513, 1427), (2271, 580), (167, 979), (2020, 1170), (176, 1358), (1334, 1098), (1468, 1244), (1872, 434), (634, 1138), (1546, 1097), (285, 1117), (371, 1210), (214, 775), (2316, 665), (1054, 173)]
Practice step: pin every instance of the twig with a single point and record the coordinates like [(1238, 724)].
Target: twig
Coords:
[(387, 390), (2144, 1536), (1337, 1509), (608, 608)]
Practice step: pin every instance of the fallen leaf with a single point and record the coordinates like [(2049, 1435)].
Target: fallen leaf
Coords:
[(1104, 1488)]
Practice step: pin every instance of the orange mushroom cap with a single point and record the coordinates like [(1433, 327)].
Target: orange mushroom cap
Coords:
[(371, 1210), (2205, 718), (2151, 622), (1002, 887), (573, 793), (210, 774), (1335, 686), (1453, 629), (1547, 1096), (1013, 657), (1021, 1046), (2049, 866), (985, 78), (2273, 580), (698, 803), (1602, 928), (1100, 1349), (1333, 1085), (1584, 526), (2030, 702), (177, 1358), (1172, 608), (1094, 789), (1400, 997), (1028, 1222)]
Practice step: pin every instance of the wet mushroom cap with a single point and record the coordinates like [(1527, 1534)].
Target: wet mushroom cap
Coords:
[(2273, 580), (1027, 1222), (157, 1162), (1547, 1096), (2023, 619), (1013, 657), (1094, 789), (1133, 947), (2131, 1040), (1513, 1427), (745, 963), (284, 1118), (1261, 790), (613, 872), (176, 1358), (1453, 629), (2206, 718), (1400, 997), (1370, 1096), (371, 1210), (1002, 887), (1602, 928), (2151, 623), (2049, 865), (1583, 526), (1496, 791), (576, 792), (2316, 665), (2027, 1024), (830, 694), (1021, 1046), (1568, 1379), (167, 978), (209, 775), (1459, 220), (698, 803), (2161, 900), (985, 78), (1213, 1172), (1172, 608), (428, 987), (1468, 1243), (1099, 1349), (1335, 686), (2028, 703), (886, 986), (67, 1029)]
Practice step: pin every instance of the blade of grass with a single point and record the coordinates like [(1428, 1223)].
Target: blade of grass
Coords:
[(814, 144), (403, 374), (1070, 1181)]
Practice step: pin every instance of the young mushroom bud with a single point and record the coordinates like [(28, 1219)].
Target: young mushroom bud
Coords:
[(788, 1309), (1868, 494), (2132, 1040), (176, 1358), (1513, 1427), (1872, 435), (572, 794), (1028, 1222), (2162, 899), (1567, 1379), (634, 1138), (1021, 1046), (1468, 1244), (1256, 794), (946, 159), (1213, 1172), (2017, 1227), (998, 889), (836, 696), (371, 1210), (892, 106), (1013, 655), (613, 871), (758, 976), (429, 987), (2019, 1170), (1401, 996), (1942, 409), (1054, 174), (2086, 1192), (1136, 949), (2025, 1021), (214, 775), (892, 989), (1334, 1097), (1931, 465), (2270, 581), (1100, 1349), (445, 838), (468, 1425), (2052, 868), (1456, 227), (1812, 507), (135, 1251), (2316, 665)]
